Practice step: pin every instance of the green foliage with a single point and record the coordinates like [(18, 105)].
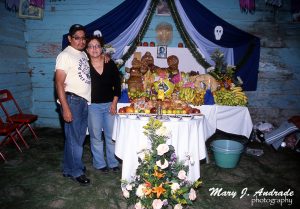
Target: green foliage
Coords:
[(221, 71)]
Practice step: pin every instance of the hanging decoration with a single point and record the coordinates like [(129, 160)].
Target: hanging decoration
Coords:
[(247, 6), (28, 11), (164, 33)]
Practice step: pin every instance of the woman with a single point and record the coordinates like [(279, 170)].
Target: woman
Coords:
[(106, 89)]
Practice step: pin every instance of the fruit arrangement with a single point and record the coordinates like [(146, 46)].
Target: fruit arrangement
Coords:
[(187, 87), (192, 96), (233, 97), (141, 106), (138, 94)]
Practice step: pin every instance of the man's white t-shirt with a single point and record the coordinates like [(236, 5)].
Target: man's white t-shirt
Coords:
[(75, 64)]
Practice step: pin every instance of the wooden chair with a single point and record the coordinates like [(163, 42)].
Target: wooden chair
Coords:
[(22, 120), (11, 133)]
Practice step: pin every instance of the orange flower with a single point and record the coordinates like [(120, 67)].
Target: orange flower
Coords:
[(147, 184), (158, 190), (147, 191), (158, 174)]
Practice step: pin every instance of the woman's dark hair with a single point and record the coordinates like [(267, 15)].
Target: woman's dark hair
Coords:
[(98, 38)]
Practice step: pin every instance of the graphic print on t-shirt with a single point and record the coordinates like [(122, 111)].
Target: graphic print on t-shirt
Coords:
[(84, 71)]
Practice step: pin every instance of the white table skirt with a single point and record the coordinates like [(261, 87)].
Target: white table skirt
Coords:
[(188, 137)]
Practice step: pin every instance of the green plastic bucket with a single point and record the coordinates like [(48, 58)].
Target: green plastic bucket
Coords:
[(227, 153)]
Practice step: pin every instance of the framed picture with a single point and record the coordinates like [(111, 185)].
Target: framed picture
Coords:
[(28, 11), (162, 51), (162, 8)]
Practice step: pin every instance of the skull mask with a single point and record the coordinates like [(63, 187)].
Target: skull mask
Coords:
[(218, 32)]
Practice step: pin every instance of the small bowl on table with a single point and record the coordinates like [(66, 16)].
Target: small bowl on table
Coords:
[(132, 116), (144, 117), (123, 115), (174, 117), (186, 117)]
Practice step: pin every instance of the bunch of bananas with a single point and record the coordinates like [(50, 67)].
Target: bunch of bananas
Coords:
[(240, 95), (187, 94), (233, 97), (137, 94), (199, 97)]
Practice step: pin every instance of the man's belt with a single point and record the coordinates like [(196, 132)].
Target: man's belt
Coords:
[(74, 95)]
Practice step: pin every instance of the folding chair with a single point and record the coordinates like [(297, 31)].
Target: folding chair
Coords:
[(18, 117), (11, 133)]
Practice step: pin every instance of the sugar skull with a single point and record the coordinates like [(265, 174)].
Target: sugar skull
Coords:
[(218, 32)]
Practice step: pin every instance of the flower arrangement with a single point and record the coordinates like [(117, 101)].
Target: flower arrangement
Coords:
[(119, 62), (160, 180), (108, 49), (223, 73)]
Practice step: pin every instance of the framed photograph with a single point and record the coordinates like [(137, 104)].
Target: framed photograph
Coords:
[(162, 51), (28, 11), (162, 8)]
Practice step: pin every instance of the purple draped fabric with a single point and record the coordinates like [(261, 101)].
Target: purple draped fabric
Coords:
[(12, 5)]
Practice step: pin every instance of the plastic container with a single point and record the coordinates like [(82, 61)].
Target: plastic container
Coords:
[(227, 153)]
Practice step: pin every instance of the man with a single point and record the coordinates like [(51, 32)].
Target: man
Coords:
[(72, 81)]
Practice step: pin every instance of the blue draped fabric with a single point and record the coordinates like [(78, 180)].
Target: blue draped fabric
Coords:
[(244, 44), (114, 22)]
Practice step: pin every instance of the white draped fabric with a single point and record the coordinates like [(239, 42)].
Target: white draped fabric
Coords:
[(205, 46)]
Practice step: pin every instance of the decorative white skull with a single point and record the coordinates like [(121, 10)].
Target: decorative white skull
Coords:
[(218, 32), (97, 33)]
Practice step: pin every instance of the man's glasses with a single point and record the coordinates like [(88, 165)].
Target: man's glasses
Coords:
[(94, 47), (77, 38)]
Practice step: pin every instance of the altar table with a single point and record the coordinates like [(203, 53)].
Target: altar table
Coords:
[(188, 138)]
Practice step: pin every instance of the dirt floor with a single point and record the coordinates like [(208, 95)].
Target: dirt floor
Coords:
[(33, 179)]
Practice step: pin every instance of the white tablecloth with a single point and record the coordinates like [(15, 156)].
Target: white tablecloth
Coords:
[(187, 62), (234, 120), (188, 137)]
